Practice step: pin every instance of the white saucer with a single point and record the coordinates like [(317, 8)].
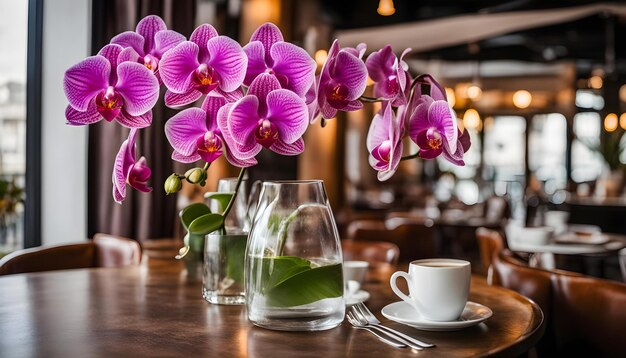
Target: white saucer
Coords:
[(404, 313), (359, 296), (573, 238)]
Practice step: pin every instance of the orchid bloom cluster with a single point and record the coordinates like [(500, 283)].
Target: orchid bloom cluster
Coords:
[(262, 95)]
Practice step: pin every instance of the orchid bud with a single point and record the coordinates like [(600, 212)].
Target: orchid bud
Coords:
[(195, 175), (172, 184)]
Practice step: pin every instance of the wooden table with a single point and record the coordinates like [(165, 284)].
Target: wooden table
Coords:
[(155, 310)]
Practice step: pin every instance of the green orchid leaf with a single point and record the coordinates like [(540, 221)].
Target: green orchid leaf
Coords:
[(307, 286), (192, 212), (222, 198), (196, 242), (234, 247), (206, 224)]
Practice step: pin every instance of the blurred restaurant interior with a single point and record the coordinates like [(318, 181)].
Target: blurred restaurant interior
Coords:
[(540, 86)]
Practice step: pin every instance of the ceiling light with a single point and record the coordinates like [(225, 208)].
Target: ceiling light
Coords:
[(595, 82), (385, 8), (471, 119), (622, 93), (474, 92), (610, 122), (622, 121), (320, 57), (522, 99)]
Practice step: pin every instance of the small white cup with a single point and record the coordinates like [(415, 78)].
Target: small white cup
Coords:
[(438, 288), (355, 271)]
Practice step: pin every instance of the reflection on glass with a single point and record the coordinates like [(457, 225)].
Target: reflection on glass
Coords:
[(13, 38)]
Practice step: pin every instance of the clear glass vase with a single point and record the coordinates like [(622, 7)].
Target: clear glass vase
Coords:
[(293, 270), (223, 270)]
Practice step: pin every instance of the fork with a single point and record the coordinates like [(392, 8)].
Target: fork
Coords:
[(355, 323), (361, 310), (362, 322)]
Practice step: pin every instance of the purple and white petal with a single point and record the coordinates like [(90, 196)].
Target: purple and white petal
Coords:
[(289, 113), (77, 118), (201, 36), (268, 34), (83, 81), (165, 40), (294, 63), (283, 148), (130, 39), (138, 87), (241, 152), (350, 71), (139, 175), (232, 96), (261, 87), (112, 53), (229, 60), (184, 129), (211, 106), (243, 119), (140, 121), (442, 116), (256, 61), (177, 66), (148, 27), (176, 100), (186, 158)]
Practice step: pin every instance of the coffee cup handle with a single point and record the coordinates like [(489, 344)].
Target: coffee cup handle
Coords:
[(398, 291)]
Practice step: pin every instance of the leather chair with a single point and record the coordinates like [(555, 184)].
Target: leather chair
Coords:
[(374, 252), (490, 243), (416, 238), (589, 316), (102, 251)]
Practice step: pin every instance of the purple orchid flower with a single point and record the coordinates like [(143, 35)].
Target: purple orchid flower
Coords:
[(129, 171), (206, 63), (102, 87), (384, 142), (342, 81), (147, 44), (268, 116), (194, 134), (390, 74), (433, 127), (269, 53)]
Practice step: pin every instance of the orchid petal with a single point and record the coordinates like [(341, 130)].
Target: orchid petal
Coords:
[(283, 148), (175, 100), (354, 105), (418, 120), (229, 60), (294, 63), (232, 96), (211, 106), (242, 163), (130, 39), (83, 81), (243, 119), (268, 34), (124, 160), (455, 158), (127, 55), (178, 65), (201, 36), (350, 71), (290, 114), (183, 130), (378, 132), (256, 61), (235, 151), (393, 164), (139, 175), (77, 118), (378, 64), (441, 115), (148, 27), (112, 52), (464, 140), (117, 195), (327, 110), (138, 86), (261, 87), (186, 158), (165, 40), (437, 92), (140, 121)]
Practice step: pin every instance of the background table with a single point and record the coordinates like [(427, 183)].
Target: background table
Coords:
[(155, 310)]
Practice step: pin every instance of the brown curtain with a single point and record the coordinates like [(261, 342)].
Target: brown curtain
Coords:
[(141, 216)]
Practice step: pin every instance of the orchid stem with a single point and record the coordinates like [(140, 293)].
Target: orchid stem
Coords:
[(232, 199), (206, 166), (415, 155), (370, 99)]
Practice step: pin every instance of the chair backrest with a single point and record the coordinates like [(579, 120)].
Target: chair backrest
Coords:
[(415, 238), (622, 263), (115, 251), (589, 316), (103, 251), (374, 252), (490, 243)]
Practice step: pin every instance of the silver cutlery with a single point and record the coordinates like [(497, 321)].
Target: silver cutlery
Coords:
[(361, 310), (362, 322), (355, 323)]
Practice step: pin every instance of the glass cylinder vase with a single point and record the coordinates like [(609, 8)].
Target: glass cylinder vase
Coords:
[(293, 269), (223, 274)]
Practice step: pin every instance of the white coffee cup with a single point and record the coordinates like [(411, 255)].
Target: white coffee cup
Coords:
[(355, 271), (438, 288)]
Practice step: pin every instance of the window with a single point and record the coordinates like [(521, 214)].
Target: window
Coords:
[(586, 164), (504, 148), (547, 146), (13, 41)]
